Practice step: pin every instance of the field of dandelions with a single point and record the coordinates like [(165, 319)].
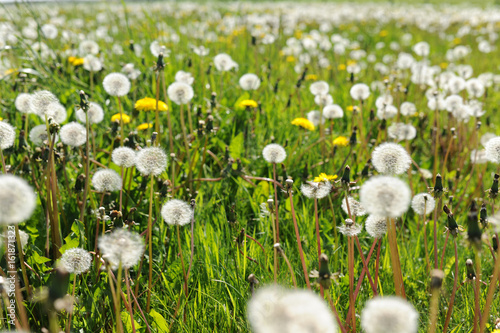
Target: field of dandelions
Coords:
[(265, 167)]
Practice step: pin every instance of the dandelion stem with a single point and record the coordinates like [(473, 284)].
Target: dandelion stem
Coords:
[(396, 265), (68, 325), (275, 250), (352, 306), (150, 243), (276, 205), (477, 292), (452, 298), (182, 260), (491, 291), (122, 135), (127, 283), (169, 121), (157, 112), (21, 260), (2, 158)]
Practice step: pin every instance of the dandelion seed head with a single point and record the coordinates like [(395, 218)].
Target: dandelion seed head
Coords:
[(17, 200), (478, 156), (475, 88), (223, 62), (315, 117), (122, 246), (55, 111), (319, 88), (106, 180), (88, 47), (407, 109), (123, 157), (422, 49), (7, 135), (95, 114), (401, 131), (376, 226), (177, 212), (38, 135), (274, 153), (116, 84), (355, 207), (23, 103), (249, 82), (387, 112), (487, 137), (91, 63), (76, 261), (360, 92), (389, 315), (40, 101), (275, 309), (333, 111), (184, 77), (493, 150), (385, 196), (73, 134), (152, 160), (423, 204), (314, 190), (323, 100), (390, 158), (180, 93), (350, 228)]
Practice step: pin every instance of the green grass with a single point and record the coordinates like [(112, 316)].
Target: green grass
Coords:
[(218, 286)]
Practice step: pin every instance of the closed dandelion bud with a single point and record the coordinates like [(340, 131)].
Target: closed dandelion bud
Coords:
[(483, 215), (346, 177), (252, 280), (438, 186), (80, 183), (153, 137), (366, 169), (276, 85), (471, 274), (353, 139), (284, 174), (289, 184), (84, 102), (473, 231), (325, 276), (389, 314), (383, 125), (452, 224), (371, 117), (305, 172), (177, 212), (151, 161), (76, 261), (493, 191), (289, 102), (275, 309), (107, 180), (494, 240), (437, 277)]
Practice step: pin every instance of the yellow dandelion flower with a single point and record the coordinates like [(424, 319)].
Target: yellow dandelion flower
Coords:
[(290, 59), (304, 123), (351, 62), (323, 177), (311, 77), (298, 34), (443, 65), (350, 108), (1, 118), (383, 33), (457, 41), (149, 104), (248, 103), (78, 62), (341, 141), (116, 117), (341, 67), (71, 59), (144, 126)]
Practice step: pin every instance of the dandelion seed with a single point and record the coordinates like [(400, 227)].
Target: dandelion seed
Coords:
[(151, 161), (95, 114), (376, 226), (389, 315), (73, 134), (423, 204), (76, 261), (180, 93), (17, 200), (177, 212), (106, 180), (116, 84), (7, 135), (385, 196), (274, 309), (390, 158), (121, 246), (274, 153)]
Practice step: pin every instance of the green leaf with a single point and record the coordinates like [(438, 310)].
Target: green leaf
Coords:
[(159, 321), (38, 259), (69, 244), (128, 322), (236, 147)]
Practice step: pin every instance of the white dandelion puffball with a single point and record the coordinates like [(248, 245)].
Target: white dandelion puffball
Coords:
[(91, 63), (249, 82), (116, 84), (319, 88), (478, 156), (376, 226), (73, 134), (315, 117), (180, 93), (184, 77), (401, 131), (123, 157), (17, 200), (350, 228), (177, 212), (422, 49), (275, 309), (385, 196), (7, 135), (274, 153), (76, 261), (38, 135), (23, 103), (453, 102), (407, 109), (323, 100), (49, 31), (423, 204), (389, 314), (24, 238), (151, 161), (223, 62), (355, 208), (475, 88), (390, 158), (121, 246), (55, 111), (487, 137), (333, 111), (360, 92), (40, 101), (95, 114), (492, 148), (106, 180), (88, 47), (314, 190), (387, 112)]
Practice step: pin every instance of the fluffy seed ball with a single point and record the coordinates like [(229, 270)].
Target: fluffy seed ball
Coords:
[(274, 153), (492, 148), (332, 111), (7, 135), (423, 204), (355, 207), (319, 88), (249, 82), (23, 103), (73, 134), (376, 226), (122, 246), (123, 157), (360, 91), (314, 190), (76, 261), (389, 315), (55, 111), (180, 93), (38, 135), (40, 101), (385, 196), (17, 200), (116, 84), (107, 180), (390, 158), (350, 229), (152, 160), (274, 309), (177, 212), (95, 114)]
